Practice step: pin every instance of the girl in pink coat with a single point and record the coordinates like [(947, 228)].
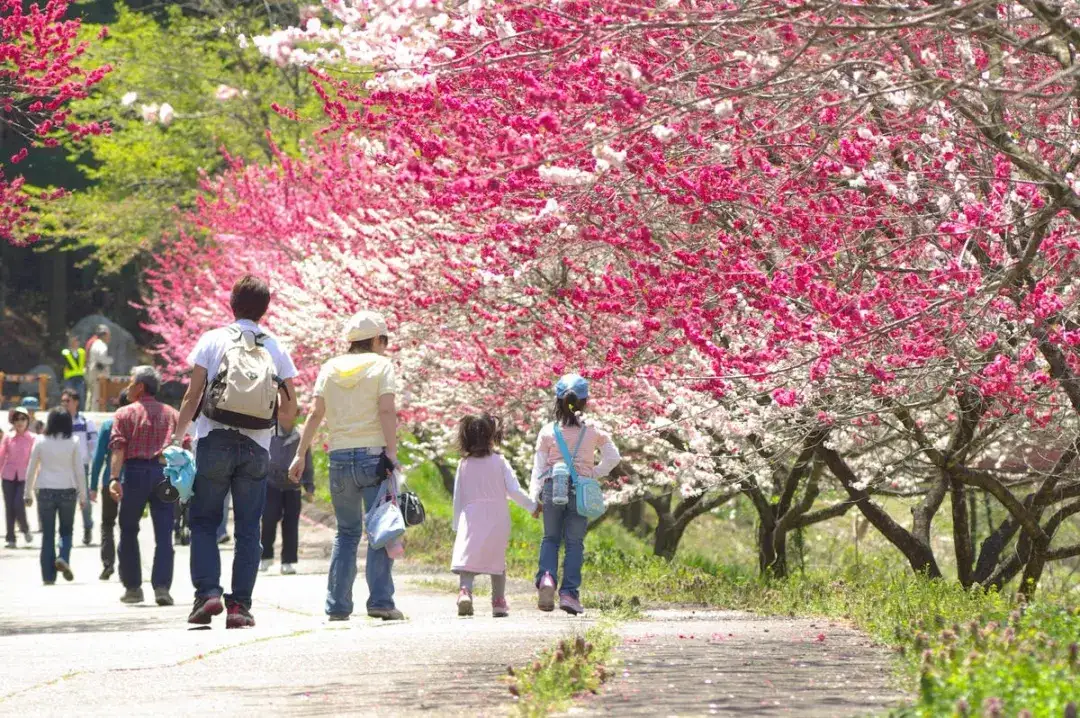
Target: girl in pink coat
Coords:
[(482, 486)]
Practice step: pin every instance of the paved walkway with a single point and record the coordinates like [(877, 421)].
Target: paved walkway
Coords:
[(729, 663), (74, 649)]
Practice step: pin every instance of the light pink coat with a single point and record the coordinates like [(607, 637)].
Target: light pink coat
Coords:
[(481, 514)]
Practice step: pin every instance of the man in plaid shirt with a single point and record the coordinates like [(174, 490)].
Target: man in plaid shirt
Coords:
[(140, 431)]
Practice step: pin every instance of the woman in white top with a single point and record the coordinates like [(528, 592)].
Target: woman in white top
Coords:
[(57, 477)]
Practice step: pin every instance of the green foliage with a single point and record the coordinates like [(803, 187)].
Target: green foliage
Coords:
[(140, 172), (569, 668)]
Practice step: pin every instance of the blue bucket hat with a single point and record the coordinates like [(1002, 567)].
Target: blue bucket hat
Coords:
[(572, 383), (30, 402)]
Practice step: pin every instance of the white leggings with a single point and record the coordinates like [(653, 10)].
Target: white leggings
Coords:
[(498, 583)]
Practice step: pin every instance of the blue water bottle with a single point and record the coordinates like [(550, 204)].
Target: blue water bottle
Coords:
[(560, 484)]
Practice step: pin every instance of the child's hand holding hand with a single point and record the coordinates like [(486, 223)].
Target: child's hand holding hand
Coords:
[(538, 510)]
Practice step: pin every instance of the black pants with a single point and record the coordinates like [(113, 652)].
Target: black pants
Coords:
[(15, 507), (281, 505), (109, 510)]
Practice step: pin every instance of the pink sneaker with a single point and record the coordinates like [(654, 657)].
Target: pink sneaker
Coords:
[(570, 604), (500, 608), (464, 603), (546, 593)]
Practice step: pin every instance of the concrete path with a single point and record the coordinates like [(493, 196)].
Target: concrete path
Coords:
[(729, 663), (74, 649)]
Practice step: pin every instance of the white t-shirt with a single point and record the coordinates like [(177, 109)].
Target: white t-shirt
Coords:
[(208, 353)]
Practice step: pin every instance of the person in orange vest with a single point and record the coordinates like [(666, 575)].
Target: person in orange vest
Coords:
[(75, 368)]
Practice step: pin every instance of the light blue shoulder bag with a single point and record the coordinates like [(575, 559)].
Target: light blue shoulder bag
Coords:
[(590, 497)]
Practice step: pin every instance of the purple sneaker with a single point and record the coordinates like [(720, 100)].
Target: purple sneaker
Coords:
[(570, 604), (546, 593), (500, 608)]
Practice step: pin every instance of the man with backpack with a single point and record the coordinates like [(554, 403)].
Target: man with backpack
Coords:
[(241, 382)]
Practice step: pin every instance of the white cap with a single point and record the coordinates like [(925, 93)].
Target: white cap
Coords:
[(365, 325)]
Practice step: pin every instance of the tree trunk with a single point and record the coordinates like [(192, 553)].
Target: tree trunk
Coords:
[(58, 297), (965, 558), (919, 555), (772, 552), (666, 538), (632, 516)]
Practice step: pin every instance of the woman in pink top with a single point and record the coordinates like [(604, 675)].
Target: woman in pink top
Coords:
[(563, 525), (483, 483), (15, 450)]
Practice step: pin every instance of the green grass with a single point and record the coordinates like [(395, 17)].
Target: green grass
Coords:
[(567, 669), (955, 648)]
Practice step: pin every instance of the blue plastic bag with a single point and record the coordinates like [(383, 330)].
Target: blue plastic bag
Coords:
[(180, 470)]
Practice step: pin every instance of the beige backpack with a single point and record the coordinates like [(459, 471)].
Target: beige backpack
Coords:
[(244, 394)]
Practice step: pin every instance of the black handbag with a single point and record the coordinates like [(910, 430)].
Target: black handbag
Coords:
[(412, 509)]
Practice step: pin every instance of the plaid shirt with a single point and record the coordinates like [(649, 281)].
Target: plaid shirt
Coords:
[(141, 430)]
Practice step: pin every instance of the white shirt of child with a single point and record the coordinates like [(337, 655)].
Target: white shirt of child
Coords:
[(209, 351)]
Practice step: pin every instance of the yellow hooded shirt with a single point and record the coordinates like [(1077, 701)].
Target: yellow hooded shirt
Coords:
[(351, 385)]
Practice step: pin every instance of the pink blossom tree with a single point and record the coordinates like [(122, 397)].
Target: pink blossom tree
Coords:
[(39, 75), (791, 243)]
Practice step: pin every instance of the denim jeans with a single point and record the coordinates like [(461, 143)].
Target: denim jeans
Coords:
[(563, 525), (223, 527), (52, 503), (227, 461), (354, 486), (15, 508), (140, 478)]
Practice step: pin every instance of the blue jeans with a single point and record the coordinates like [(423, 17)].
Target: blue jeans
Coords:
[(354, 486), (140, 478), (227, 461), (53, 502), (563, 525), (223, 527)]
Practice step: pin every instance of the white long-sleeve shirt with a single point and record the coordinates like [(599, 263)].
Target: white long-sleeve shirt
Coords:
[(56, 463), (99, 360), (548, 454)]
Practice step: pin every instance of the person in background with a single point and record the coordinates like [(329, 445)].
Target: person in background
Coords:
[(354, 392), (75, 368), (283, 499), (15, 448), (231, 459), (140, 432), (97, 365), (84, 430), (109, 508), (57, 478)]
